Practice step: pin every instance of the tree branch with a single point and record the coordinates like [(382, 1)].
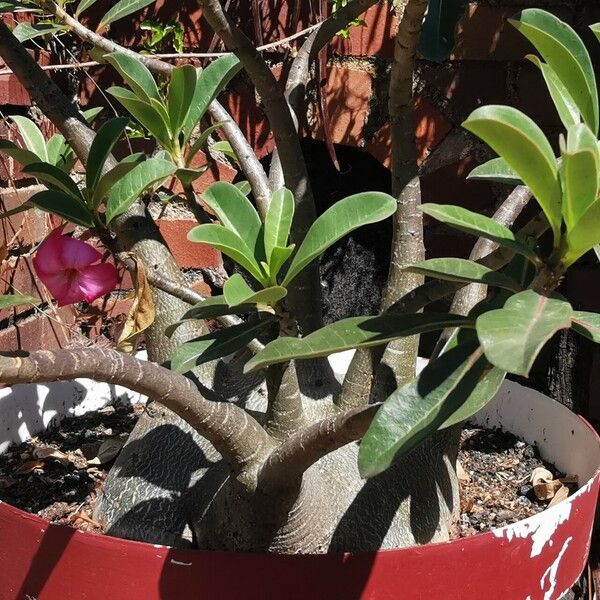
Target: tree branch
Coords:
[(294, 456), (305, 293), (250, 164), (236, 435)]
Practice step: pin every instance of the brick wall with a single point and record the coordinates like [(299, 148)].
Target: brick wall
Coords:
[(486, 66)]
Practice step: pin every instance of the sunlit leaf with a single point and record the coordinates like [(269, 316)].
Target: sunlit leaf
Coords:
[(122, 9), (495, 170), (12, 300), (31, 135), (102, 145)]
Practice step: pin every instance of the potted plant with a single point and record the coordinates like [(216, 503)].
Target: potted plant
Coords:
[(277, 469)]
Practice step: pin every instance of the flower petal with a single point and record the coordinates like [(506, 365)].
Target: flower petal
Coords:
[(59, 252), (63, 288), (96, 280)]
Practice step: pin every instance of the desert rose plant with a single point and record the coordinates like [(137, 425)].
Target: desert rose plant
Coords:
[(250, 441)]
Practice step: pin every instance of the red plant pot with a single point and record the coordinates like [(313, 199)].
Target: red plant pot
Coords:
[(539, 558)]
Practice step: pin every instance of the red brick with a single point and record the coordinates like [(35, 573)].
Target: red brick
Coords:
[(30, 226), (381, 146), (431, 128), (188, 255), (485, 34), (40, 332), (374, 39)]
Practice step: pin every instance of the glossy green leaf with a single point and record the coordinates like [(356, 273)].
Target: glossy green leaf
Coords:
[(279, 256), (460, 269), (237, 292), (12, 300), (188, 176), (596, 30), (131, 186), (91, 113), (355, 332), (216, 345), (524, 147), (136, 75), (564, 103), (200, 141), (437, 33), (479, 225), (336, 222), (513, 335), (67, 207), (102, 145), (225, 148), (210, 82), (144, 113), (182, 87), (60, 153), (32, 136), (26, 31), (15, 211), (244, 187), (455, 381), (53, 176), (21, 155), (566, 54), (236, 213), (83, 5), (122, 9), (109, 179), (584, 235), (278, 221), (230, 244), (161, 110), (496, 169), (587, 324)]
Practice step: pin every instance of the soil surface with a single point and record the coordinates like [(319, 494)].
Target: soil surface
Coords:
[(58, 474)]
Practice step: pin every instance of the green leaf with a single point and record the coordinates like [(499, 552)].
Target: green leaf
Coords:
[(437, 33), (236, 213), (130, 187), (102, 145), (278, 221), (106, 181), (584, 235), (460, 269), (60, 153), (244, 187), (238, 292), (122, 9), (182, 87), (495, 170), (225, 148), (83, 5), (210, 82), (479, 225), (587, 324), (513, 335), (25, 157), (580, 171), (230, 244), (596, 30), (63, 205), (12, 300), (27, 31), (91, 113), (355, 332), (564, 103), (32, 136), (201, 141), (279, 256), (566, 54), (336, 222), (455, 380), (524, 147), (15, 211), (55, 177), (216, 345), (188, 176), (136, 75), (144, 113)]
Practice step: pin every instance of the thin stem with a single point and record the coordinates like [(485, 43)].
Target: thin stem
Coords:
[(234, 433)]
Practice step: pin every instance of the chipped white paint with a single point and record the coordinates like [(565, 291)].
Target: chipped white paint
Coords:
[(551, 572), (540, 528), (178, 562)]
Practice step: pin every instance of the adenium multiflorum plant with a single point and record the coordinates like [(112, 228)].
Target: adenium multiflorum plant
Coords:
[(273, 430)]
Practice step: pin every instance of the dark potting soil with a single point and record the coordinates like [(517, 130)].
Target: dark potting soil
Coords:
[(59, 473)]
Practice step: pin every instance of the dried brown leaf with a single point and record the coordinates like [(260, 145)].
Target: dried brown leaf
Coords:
[(141, 314), (29, 466), (107, 451), (544, 485), (46, 452), (561, 494)]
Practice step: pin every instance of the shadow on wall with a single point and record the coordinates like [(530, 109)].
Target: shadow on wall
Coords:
[(28, 409)]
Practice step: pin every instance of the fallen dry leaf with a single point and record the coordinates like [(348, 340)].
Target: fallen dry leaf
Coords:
[(107, 451), (45, 452), (561, 494), (141, 315), (29, 466)]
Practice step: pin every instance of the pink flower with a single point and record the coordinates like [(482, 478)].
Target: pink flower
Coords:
[(66, 267)]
